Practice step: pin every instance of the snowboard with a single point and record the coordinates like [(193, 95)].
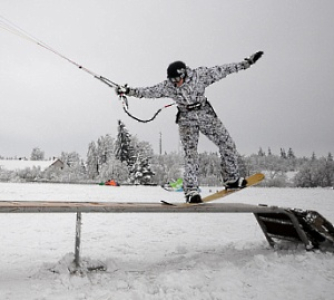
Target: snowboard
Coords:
[(251, 180)]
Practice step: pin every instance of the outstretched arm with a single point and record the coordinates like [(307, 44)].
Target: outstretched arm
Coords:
[(214, 74)]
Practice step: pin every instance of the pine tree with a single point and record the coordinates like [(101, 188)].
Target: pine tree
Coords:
[(140, 171), (329, 170), (292, 162), (135, 154), (261, 152), (314, 157), (124, 149), (283, 153), (291, 153)]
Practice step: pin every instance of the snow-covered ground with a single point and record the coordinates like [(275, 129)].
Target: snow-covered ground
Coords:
[(157, 256)]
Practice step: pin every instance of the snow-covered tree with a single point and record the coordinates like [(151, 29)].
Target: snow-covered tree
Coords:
[(140, 171), (316, 172), (261, 152), (37, 154), (114, 169), (70, 159), (329, 170), (124, 150), (135, 154), (105, 148), (283, 153), (291, 154), (314, 157), (92, 161)]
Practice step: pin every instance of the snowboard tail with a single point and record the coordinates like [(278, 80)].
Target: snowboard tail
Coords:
[(251, 180)]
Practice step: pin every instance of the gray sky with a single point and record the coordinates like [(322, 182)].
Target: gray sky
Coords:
[(285, 100)]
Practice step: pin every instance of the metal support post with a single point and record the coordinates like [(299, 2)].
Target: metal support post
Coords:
[(77, 240)]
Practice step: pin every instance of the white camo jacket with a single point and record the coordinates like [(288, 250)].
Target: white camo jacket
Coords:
[(193, 89)]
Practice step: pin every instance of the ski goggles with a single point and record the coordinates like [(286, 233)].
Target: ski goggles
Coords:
[(176, 79)]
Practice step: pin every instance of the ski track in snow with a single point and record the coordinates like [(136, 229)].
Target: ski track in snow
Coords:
[(157, 256)]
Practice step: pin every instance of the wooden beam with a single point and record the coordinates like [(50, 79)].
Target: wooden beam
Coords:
[(130, 207)]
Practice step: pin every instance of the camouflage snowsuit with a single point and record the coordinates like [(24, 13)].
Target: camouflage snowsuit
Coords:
[(195, 114)]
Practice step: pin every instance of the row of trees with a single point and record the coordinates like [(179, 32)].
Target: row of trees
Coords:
[(36, 154), (288, 170), (127, 160)]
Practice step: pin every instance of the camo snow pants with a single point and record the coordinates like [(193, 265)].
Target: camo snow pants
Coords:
[(205, 120)]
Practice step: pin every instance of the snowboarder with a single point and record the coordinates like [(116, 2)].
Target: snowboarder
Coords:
[(186, 87)]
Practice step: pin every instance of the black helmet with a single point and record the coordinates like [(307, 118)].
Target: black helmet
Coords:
[(177, 69)]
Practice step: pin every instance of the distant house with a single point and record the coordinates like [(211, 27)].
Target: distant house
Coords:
[(20, 164), (57, 164)]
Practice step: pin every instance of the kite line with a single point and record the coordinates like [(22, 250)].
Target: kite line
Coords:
[(16, 30)]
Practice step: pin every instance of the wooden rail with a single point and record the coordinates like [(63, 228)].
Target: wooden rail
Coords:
[(123, 207)]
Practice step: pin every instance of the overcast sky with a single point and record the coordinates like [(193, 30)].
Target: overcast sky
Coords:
[(285, 100)]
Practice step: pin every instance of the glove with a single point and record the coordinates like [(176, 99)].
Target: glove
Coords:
[(125, 90), (254, 57)]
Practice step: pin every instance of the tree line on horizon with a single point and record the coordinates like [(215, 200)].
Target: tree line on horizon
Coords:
[(127, 160)]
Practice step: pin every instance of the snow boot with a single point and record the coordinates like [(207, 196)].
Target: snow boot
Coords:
[(240, 183), (193, 197)]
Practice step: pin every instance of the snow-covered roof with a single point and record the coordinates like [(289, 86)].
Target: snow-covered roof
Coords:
[(16, 164)]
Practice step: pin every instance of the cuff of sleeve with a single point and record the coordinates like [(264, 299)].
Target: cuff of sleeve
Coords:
[(132, 92), (246, 63)]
